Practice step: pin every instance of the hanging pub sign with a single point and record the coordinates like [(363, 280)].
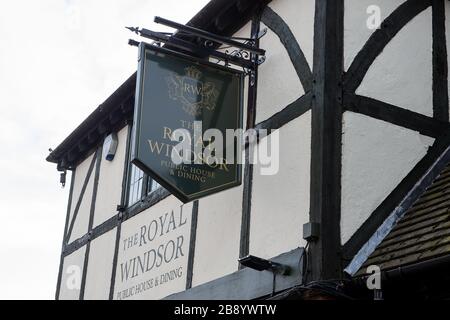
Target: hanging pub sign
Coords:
[(183, 109)]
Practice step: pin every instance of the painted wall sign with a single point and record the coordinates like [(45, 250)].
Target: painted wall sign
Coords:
[(153, 252), (173, 92)]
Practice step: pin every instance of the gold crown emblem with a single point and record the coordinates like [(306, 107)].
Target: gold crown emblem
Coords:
[(193, 72)]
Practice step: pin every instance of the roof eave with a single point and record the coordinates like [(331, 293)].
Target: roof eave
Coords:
[(230, 16)]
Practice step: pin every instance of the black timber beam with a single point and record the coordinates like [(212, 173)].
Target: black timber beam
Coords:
[(379, 215), (275, 23), (379, 40), (66, 226), (244, 243), (325, 189), (440, 62), (396, 115)]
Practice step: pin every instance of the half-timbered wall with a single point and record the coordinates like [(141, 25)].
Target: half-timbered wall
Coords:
[(110, 182), (90, 235), (81, 198), (99, 267), (375, 150), (286, 215), (376, 156), (358, 126), (217, 235), (284, 83), (396, 102), (72, 270)]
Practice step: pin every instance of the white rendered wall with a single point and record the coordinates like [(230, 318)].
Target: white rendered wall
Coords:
[(71, 275), (110, 181), (376, 156), (99, 268), (278, 83), (219, 221), (299, 16), (182, 219), (402, 73), (280, 202), (218, 235), (80, 227), (356, 32)]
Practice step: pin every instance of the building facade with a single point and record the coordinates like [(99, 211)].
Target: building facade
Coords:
[(358, 90)]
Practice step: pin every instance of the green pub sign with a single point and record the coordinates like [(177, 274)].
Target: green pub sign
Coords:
[(176, 91)]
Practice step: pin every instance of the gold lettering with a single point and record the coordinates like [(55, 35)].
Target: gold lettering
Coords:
[(155, 145), (193, 89), (186, 88), (167, 133), (187, 124)]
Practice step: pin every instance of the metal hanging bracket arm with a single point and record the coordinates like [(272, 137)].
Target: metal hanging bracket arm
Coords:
[(209, 36), (243, 54)]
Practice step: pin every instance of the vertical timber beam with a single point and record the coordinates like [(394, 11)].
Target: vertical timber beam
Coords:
[(64, 242), (440, 64), (326, 138), (244, 246), (192, 242), (123, 204), (98, 157)]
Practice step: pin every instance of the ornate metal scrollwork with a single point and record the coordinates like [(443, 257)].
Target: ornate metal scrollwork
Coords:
[(238, 51)]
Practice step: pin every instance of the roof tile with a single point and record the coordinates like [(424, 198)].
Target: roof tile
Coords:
[(422, 233)]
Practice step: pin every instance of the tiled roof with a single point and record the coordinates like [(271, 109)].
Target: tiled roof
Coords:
[(422, 233)]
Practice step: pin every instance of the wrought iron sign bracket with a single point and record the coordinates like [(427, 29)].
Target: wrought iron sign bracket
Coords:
[(241, 52), (255, 59)]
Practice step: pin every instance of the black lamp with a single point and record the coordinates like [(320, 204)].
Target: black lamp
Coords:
[(261, 264)]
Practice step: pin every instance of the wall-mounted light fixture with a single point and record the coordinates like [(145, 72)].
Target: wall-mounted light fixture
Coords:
[(261, 264)]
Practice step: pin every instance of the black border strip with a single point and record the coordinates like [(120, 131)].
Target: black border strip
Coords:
[(326, 136), (371, 224), (192, 241), (379, 39), (66, 225), (98, 157), (80, 198), (396, 115), (440, 63), (275, 23)]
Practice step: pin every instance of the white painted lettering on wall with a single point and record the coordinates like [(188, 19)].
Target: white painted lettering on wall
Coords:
[(153, 255)]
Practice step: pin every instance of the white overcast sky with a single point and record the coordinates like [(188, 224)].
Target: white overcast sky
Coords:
[(59, 59)]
